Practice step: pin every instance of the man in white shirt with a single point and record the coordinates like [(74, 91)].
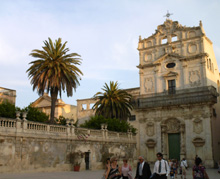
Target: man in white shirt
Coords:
[(161, 167), (184, 166)]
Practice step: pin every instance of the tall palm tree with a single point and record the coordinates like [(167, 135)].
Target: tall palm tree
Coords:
[(113, 102), (54, 71)]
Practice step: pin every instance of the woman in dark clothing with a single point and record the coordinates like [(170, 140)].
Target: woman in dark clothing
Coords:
[(199, 170), (114, 171)]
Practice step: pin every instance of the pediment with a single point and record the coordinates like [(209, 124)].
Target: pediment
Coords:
[(170, 74), (173, 56), (45, 101)]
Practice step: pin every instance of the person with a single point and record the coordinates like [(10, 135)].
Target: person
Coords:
[(198, 170), (170, 163), (172, 173), (113, 171), (126, 170), (143, 169), (106, 167), (161, 167), (183, 166), (175, 167)]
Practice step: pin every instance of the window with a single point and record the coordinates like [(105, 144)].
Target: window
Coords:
[(174, 39), (164, 41), (84, 106), (132, 118), (171, 86), (91, 105), (170, 65)]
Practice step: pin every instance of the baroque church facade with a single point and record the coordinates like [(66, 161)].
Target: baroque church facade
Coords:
[(176, 108)]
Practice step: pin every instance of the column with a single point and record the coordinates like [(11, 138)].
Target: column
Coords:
[(182, 141), (163, 140)]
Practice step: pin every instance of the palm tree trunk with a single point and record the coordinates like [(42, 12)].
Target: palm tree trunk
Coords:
[(54, 93)]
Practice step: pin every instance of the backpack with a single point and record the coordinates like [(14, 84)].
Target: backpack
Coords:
[(199, 173)]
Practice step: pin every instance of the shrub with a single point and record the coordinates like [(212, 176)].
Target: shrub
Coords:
[(7, 110), (34, 114), (113, 124)]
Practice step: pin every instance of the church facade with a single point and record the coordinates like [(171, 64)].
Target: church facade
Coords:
[(176, 108)]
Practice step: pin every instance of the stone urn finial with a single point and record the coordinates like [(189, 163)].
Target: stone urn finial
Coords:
[(24, 115), (67, 122), (18, 113), (71, 122)]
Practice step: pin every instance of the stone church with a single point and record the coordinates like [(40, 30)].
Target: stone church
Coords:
[(176, 108)]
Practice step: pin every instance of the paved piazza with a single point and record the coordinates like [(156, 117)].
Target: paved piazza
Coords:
[(83, 175)]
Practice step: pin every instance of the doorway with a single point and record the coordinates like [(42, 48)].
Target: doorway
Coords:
[(174, 146), (87, 160)]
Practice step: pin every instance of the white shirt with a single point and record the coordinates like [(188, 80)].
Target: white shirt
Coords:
[(165, 169), (142, 165), (183, 163)]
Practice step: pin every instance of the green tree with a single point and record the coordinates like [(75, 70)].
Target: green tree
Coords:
[(113, 102), (54, 71), (34, 114), (7, 109), (113, 124)]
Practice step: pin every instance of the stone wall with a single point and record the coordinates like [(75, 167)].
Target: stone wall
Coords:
[(30, 146)]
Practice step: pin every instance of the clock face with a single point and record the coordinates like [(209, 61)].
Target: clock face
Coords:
[(170, 65)]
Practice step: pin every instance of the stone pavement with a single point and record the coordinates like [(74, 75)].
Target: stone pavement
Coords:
[(83, 175)]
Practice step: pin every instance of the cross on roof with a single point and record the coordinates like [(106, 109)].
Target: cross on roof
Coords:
[(168, 14)]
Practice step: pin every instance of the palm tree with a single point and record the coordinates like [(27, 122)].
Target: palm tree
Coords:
[(113, 102), (54, 71)]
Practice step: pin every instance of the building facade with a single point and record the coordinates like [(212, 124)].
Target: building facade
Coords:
[(177, 107), (7, 95), (177, 110), (43, 103)]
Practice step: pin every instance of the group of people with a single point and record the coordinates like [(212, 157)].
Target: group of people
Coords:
[(162, 169), (174, 166), (114, 171)]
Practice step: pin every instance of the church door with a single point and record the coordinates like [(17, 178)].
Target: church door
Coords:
[(174, 146)]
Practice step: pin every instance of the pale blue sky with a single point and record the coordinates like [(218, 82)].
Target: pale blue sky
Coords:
[(104, 32)]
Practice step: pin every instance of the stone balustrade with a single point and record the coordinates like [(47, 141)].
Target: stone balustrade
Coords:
[(29, 128)]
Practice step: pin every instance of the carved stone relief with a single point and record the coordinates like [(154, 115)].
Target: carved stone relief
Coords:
[(150, 143), (192, 48), (194, 78), (149, 44), (198, 142), (173, 126), (197, 126), (149, 84), (192, 34), (150, 129)]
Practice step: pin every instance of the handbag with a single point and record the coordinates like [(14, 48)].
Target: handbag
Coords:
[(130, 175)]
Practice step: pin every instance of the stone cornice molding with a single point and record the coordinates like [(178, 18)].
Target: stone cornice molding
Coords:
[(173, 55)]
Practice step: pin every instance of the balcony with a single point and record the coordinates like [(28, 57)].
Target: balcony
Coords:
[(205, 94)]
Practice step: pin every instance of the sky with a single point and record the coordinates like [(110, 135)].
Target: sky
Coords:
[(104, 32)]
